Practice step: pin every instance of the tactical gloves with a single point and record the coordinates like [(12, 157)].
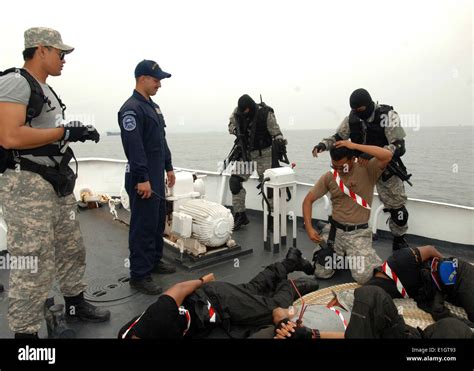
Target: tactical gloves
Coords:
[(319, 148), (75, 131)]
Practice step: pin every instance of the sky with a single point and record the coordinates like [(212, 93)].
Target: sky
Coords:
[(304, 57)]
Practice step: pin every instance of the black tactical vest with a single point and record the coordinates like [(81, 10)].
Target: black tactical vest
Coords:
[(375, 133), (260, 137)]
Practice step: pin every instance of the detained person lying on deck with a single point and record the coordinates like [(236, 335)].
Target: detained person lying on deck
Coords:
[(423, 274), (208, 308), (373, 316)]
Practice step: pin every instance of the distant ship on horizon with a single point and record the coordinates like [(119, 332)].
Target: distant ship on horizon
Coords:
[(109, 133)]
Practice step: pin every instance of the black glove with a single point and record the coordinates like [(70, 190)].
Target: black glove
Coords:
[(320, 148), (281, 142), (302, 333), (75, 131)]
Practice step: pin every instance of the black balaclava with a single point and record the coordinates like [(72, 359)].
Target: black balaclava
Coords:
[(245, 101), (359, 98)]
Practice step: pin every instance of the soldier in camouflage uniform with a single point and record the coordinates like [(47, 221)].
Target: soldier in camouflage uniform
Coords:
[(348, 234), (258, 126), (40, 214), (375, 124)]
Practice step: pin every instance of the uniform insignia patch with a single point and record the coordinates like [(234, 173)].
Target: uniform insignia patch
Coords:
[(129, 123), (158, 110)]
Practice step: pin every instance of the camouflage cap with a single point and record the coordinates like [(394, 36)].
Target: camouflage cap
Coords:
[(46, 37), (345, 298)]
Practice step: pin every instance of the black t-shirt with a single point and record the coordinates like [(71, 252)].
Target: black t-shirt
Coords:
[(162, 319), (407, 264)]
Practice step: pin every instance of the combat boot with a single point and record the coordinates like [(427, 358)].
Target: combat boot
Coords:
[(79, 309), (240, 219), (399, 242), (146, 286), (297, 262), (55, 321), (163, 268), (305, 285)]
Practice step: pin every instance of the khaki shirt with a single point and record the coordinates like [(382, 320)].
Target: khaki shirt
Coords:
[(360, 180)]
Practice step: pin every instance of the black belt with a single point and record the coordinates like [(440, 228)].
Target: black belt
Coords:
[(348, 228)]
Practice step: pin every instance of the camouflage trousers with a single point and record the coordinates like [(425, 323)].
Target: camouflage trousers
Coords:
[(41, 227), (393, 196), (261, 163), (352, 250)]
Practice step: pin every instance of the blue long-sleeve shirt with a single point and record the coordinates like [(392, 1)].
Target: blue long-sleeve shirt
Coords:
[(142, 128)]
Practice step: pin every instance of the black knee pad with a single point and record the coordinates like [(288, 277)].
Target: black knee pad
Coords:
[(235, 184), (321, 255), (399, 216)]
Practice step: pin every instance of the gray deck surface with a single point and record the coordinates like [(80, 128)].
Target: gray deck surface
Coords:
[(107, 250)]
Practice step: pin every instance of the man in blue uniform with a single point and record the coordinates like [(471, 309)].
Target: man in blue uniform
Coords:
[(142, 129)]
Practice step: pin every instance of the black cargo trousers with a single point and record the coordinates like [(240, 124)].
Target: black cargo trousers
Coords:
[(244, 308), (375, 316)]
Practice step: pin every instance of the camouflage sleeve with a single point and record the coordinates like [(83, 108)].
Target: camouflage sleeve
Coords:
[(232, 122), (272, 126), (343, 131), (393, 130)]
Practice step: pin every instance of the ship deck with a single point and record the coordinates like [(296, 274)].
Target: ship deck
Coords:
[(106, 244)]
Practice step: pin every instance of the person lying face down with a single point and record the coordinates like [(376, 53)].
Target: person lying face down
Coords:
[(423, 274), (314, 320), (373, 316), (206, 307)]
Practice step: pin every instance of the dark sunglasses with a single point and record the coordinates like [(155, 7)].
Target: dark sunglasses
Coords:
[(61, 53)]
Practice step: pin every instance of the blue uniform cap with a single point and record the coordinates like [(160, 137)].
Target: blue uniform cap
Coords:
[(150, 68)]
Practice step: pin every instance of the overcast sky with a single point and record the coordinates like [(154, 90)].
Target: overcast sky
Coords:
[(304, 57)]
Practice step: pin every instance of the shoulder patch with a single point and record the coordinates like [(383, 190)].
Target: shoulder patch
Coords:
[(129, 113), (129, 123)]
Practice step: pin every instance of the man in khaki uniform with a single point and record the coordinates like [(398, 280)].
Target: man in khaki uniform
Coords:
[(352, 188), (40, 210)]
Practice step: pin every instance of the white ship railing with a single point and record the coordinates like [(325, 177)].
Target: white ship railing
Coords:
[(430, 219)]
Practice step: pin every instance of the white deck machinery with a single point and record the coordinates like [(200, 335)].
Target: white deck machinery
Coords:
[(198, 232), (279, 180)]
